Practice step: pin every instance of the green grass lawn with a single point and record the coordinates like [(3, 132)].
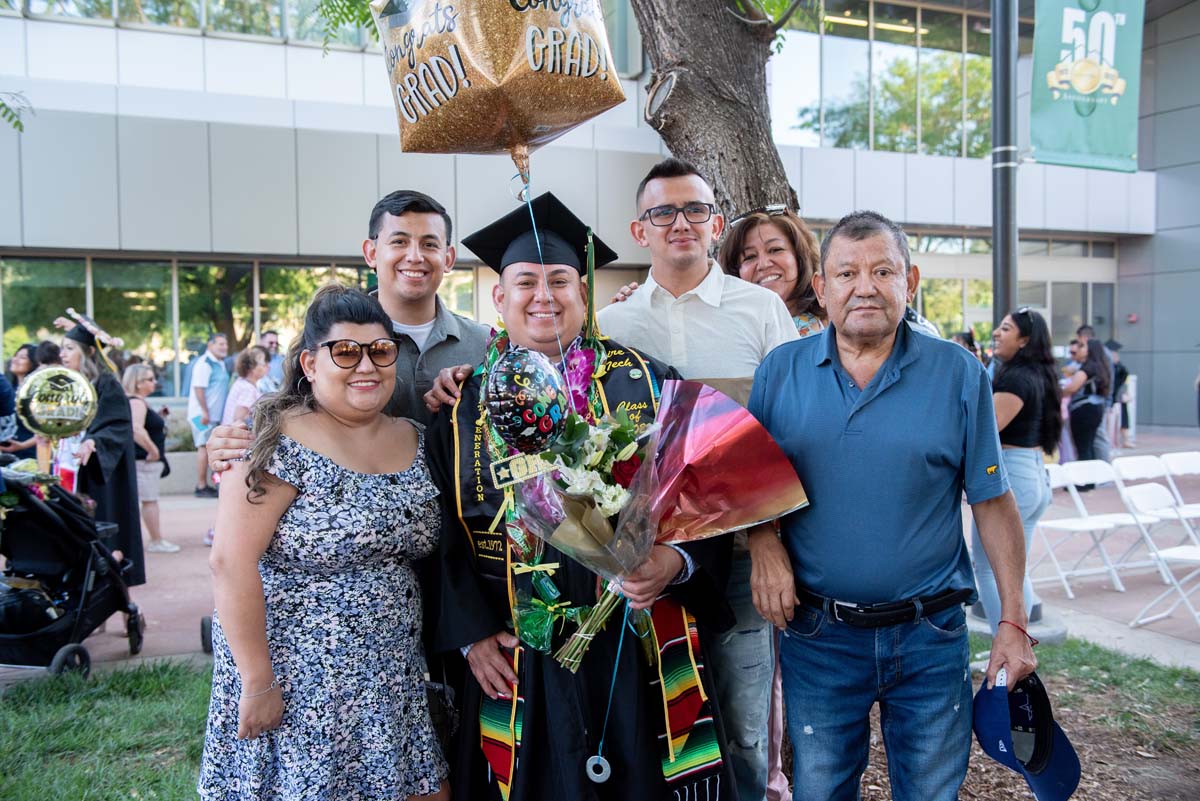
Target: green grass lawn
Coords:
[(133, 735), (124, 734)]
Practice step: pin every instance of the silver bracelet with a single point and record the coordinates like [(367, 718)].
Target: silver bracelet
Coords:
[(273, 685)]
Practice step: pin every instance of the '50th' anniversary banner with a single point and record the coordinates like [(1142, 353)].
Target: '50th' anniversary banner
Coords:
[(1087, 64)]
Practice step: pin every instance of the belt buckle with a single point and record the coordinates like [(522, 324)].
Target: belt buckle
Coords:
[(836, 604)]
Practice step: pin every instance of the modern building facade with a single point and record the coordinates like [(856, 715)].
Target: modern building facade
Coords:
[(201, 164)]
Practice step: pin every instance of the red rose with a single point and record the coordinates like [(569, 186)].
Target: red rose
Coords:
[(622, 472)]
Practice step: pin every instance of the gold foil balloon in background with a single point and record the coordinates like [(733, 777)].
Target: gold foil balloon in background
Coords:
[(55, 402), (494, 76)]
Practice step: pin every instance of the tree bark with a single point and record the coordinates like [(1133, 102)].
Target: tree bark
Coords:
[(716, 115)]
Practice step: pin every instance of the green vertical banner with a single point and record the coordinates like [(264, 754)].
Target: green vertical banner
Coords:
[(1087, 66)]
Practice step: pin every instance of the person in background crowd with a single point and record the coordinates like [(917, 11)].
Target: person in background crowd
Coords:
[(886, 428), (252, 365), (710, 325), (150, 450), (318, 688), (23, 444), (274, 377), (107, 462), (1101, 447), (967, 340), (206, 404), (1090, 387), (1028, 405), (8, 410), (48, 353), (1120, 393), (774, 248)]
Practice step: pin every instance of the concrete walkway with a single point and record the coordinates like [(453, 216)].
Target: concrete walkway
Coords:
[(179, 593)]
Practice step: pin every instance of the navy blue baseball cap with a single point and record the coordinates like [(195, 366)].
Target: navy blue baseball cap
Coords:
[(1018, 730)]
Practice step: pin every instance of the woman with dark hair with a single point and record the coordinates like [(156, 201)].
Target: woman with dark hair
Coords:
[(776, 249), (23, 445), (318, 672), (967, 340), (1027, 401), (1089, 387)]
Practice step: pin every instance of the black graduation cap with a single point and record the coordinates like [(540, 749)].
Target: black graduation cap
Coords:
[(563, 237), (82, 336)]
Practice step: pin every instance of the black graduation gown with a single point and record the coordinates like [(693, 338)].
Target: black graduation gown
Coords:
[(563, 714), (110, 476)]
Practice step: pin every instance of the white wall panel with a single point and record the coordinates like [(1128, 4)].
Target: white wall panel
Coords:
[(64, 52), (377, 87), (1031, 195), (1142, 202), (1174, 137), (484, 191), (69, 180), (430, 173), (337, 186), (1176, 59), (141, 101), (253, 189), (928, 189), (792, 167), (164, 185), (10, 187), (245, 68), (631, 139), (12, 46), (570, 173), (1177, 189), (146, 58), (341, 117), (1108, 201), (333, 77), (617, 179), (1066, 198), (88, 98), (826, 182), (879, 183), (973, 192)]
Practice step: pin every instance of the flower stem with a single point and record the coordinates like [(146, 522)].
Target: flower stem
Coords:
[(570, 655)]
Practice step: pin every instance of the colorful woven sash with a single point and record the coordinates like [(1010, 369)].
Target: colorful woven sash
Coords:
[(500, 732)]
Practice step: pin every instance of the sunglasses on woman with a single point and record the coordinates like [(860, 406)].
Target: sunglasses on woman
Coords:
[(346, 353), (772, 210)]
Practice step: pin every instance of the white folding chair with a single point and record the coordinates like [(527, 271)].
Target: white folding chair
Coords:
[(1097, 527), (1184, 463), (1151, 497), (1187, 556), (1096, 472)]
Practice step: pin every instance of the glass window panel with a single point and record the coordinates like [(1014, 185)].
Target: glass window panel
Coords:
[(1068, 299), (284, 292), (304, 24), (1024, 39), (1103, 298), (795, 95), (359, 277), (245, 16), (35, 292), (1031, 293), (845, 74), (939, 244), (979, 87), (10, 5), (979, 310), (1032, 247), (941, 83), (977, 245), (942, 301), (176, 13), (623, 36), (894, 75), (132, 300), (213, 297), (458, 292), (1068, 248), (88, 9), (1104, 250)]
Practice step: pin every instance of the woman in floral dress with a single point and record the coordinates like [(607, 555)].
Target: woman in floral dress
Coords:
[(318, 689)]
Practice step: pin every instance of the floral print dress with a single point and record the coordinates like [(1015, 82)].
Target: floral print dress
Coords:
[(344, 631)]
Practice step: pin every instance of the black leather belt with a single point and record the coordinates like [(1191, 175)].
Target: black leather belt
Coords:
[(873, 616)]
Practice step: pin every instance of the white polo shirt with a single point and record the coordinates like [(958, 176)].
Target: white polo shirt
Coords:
[(721, 329)]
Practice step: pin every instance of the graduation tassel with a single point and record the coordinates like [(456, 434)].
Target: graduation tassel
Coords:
[(591, 329)]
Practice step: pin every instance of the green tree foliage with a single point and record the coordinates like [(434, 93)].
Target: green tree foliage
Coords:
[(177, 13)]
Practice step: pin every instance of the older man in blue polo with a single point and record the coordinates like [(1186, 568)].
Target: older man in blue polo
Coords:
[(887, 427)]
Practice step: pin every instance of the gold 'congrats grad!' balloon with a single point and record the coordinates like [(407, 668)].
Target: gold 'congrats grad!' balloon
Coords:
[(489, 76), (55, 402)]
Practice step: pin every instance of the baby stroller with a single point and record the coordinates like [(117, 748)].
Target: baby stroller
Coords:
[(61, 582)]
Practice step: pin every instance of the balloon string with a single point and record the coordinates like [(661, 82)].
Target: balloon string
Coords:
[(537, 240)]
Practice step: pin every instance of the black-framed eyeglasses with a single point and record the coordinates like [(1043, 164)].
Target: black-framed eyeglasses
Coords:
[(347, 354), (771, 210), (662, 216)]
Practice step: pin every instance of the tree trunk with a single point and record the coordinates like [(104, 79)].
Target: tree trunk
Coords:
[(716, 114)]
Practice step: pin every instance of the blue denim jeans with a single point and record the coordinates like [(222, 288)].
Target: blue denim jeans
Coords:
[(743, 665), (1031, 487), (918, 674)]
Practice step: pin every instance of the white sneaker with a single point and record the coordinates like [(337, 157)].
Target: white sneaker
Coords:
[(162, 546)]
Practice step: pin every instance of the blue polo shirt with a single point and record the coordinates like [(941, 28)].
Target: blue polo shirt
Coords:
[(884, 466)]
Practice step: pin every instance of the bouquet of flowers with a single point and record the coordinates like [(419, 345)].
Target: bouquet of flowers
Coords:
[(705, 467)]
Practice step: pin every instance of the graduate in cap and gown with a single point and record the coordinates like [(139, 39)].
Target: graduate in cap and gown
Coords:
[(531, 741), (109, 476)]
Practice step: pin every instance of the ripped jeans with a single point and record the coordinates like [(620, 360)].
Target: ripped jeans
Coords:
[(743, 666), (834, 673)]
